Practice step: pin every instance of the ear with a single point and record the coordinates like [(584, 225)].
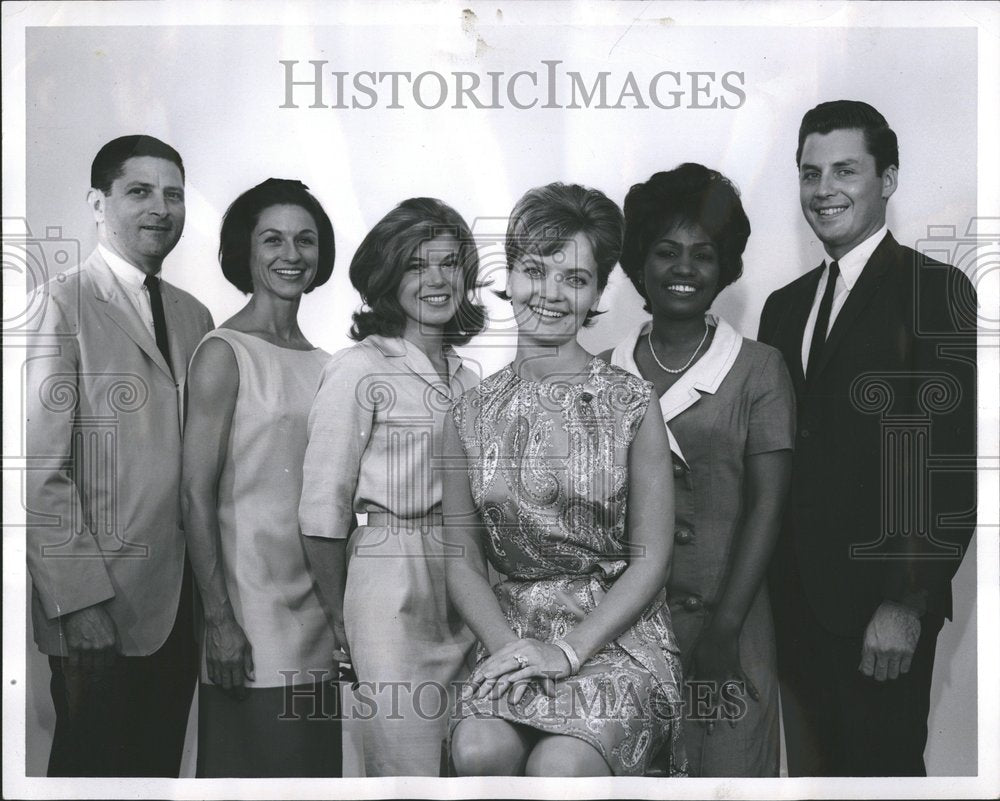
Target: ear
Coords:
[(95, 199), (890, 180)]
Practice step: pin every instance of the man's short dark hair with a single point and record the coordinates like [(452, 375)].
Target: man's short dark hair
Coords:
[(109, 163), (838, 115), (242, 217)]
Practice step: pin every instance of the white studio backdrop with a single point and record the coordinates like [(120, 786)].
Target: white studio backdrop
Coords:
[(215, 92)]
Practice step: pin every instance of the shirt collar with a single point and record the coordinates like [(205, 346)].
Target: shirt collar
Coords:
[(853, 262), (128, 274), (399, 347)]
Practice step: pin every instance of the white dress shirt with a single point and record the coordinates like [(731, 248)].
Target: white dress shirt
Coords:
[(130, 278), (851, 264)]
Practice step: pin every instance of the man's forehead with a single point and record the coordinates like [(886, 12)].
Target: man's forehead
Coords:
[(150, 169), (840, 144)]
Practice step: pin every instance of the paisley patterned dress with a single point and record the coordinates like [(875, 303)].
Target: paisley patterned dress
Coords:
[(548, 466)]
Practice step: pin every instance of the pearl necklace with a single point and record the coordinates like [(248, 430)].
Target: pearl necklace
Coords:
[(679, 369)]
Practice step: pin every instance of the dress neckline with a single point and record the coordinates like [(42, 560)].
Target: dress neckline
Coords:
[(584, 375), (261, 339)]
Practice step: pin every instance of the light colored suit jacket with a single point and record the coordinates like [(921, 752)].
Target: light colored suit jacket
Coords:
[(104, 419)]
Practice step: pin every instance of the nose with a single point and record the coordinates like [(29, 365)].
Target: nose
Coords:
[(683, 266), (434, 275), (824, 186), (554, 287), (158, 204), (290, 251)]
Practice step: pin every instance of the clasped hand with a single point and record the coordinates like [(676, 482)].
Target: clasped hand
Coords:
[(91, 639), (511, 665), (890, 641)]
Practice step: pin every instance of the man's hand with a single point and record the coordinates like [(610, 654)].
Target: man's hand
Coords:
[(890, 640), (91, 638)]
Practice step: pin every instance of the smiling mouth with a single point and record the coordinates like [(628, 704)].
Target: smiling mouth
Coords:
[(682, 289), (157, 228), (435, 300), (548, 314), (831, 211), (289, 272)]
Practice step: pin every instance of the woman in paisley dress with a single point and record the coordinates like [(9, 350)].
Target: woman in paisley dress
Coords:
[(577, 670)]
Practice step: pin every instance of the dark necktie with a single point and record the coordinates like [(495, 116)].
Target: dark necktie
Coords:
[(822, 322), (152, 284)]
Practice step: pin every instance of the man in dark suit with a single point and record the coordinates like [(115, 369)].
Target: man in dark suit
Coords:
[(880, 343), (111, 589)]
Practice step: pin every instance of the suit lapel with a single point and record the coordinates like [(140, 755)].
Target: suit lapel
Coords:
[(858, 298), (120, 312), (795, 327)]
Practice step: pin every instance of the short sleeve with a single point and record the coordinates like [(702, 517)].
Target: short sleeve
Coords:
[(340, 424), (772, 407)]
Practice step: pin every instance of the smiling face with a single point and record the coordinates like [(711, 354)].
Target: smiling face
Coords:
[(552, 294), (681, 272), (432, 285), (842, 197), (142, 217), (284, 252)]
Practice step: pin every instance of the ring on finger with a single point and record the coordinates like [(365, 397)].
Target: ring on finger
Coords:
[(522, 662)]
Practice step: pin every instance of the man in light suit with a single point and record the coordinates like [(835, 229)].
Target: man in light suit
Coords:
[(111, 589), (880, 342)]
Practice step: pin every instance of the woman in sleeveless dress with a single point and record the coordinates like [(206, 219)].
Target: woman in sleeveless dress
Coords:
[(557, 475), (374, 438), (268, 642), (730, 408)]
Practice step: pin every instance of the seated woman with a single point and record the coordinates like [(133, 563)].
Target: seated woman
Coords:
[(268, 640), (374, 435), (577, 670), (730, 408)]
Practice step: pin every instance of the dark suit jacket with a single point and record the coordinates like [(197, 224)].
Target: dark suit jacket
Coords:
[(882, 500)]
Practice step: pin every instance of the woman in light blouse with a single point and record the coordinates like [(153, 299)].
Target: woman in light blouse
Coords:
[(374, 433)]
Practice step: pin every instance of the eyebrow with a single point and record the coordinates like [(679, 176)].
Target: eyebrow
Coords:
[(279, 231), (841, 163), (708, 242)]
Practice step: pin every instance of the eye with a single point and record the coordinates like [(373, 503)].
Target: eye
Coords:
[(307, 241), (666, 253), (577, 281), (812, 175), (174, 195), (532, 270), (846, 171), (138, 191), (272, 239)]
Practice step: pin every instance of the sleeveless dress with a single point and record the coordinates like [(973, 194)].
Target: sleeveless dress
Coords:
[(269, 584), (548, 467)]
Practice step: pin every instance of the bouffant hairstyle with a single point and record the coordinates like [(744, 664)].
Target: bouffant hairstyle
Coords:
[(546, 217), (244, 214), (384, 256), (109, 163), (690, 194), (837, 115)]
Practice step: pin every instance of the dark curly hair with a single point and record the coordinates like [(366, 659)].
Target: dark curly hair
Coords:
[(547, 216), (383, 256), (242, 217), (688, 194)]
